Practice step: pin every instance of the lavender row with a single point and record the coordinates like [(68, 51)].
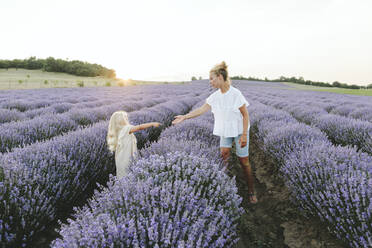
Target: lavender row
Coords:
[(175, 195), (180, 207), (41, 178), (25, 109), (9, 115), (358, 111), (339, 129), (356, 107), (23, 100), (19, 134), (328, 181), (192, 136)]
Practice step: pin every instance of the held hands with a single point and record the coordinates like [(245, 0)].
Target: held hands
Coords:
[(243, 140), (178, 119)]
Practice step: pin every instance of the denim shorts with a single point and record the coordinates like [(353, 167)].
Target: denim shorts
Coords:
[(240, 151)]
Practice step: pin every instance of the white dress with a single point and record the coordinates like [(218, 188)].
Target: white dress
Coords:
[(125, 150)]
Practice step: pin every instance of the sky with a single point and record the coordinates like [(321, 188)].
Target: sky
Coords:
[(173, 40)]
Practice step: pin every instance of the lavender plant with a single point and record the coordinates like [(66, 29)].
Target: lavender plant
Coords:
[(174, 201), (336, 184), (331, 182), (64, 169)]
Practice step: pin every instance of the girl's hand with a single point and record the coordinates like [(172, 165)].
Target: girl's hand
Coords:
[(156, 124), (243, 140), (178, 119)]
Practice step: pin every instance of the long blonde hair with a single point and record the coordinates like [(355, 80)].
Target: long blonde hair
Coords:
[(221, 69), (117, 121)]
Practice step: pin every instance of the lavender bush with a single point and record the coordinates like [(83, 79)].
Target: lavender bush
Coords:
[(175, 200), (326, 180), (64, 169), (340, 130), (49, 101), (336, 184), (7, 115), (170, 177), (23, 133), (19, 134), (331, 182)]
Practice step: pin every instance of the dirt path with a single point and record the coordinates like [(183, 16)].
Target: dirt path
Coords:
[(274, 221)]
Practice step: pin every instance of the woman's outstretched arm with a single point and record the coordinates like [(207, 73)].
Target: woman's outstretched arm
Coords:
[(199, 111), (144, 126)]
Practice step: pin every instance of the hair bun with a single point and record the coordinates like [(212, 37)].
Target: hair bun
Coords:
[(223, 65), (221, 69)]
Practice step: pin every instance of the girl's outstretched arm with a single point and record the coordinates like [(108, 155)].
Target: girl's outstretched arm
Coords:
[(199, 111), (144, 126)]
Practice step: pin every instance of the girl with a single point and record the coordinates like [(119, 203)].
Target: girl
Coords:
[(231, 120), (121, 140)]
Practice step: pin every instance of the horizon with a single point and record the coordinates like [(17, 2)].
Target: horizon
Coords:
[(167, 40)]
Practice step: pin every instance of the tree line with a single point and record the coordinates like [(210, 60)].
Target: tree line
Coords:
[(301, 80), (50, 64)]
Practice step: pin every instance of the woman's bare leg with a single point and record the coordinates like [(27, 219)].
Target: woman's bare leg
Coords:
[(225, 154), (246, 166)]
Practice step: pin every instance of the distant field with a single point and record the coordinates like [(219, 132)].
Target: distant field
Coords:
[(31, 79), (367, 92)]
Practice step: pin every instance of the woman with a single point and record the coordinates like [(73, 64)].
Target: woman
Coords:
[(231, 120)]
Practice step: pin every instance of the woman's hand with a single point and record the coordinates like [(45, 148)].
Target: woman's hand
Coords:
[(178, 119), (243, 140), (156, 124)]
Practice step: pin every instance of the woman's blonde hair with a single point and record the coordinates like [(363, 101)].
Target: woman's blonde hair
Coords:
[(117, 121), (221, 69)]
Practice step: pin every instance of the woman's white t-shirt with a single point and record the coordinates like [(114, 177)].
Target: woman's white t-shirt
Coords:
[(125, 150), (228, 120)]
